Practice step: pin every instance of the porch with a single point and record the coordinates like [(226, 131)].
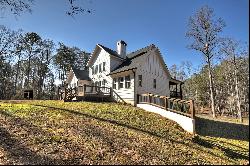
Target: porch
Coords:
[(87, 92), (175, 87)]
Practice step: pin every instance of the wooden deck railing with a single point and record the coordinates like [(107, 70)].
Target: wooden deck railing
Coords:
[(179, 106), (175, 94), (96, 90)]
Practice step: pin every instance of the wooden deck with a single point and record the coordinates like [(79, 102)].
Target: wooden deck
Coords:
[(87, 92)]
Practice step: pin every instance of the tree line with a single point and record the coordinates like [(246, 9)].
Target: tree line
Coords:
[(222, 83), (27, 61)]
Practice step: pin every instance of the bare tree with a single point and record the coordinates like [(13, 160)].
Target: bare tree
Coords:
[(17, 7), (204, 29), (230, 48)]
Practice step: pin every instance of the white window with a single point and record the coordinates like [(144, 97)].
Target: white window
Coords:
[(96, 69), (104, 82), (114, 83), (120, 82), (127, 82), (80, 88)]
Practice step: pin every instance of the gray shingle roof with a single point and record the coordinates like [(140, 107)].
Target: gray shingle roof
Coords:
[(81, 74), (133, 59)]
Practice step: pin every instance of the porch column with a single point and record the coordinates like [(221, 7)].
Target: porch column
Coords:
[(181, 90), (176, 91)]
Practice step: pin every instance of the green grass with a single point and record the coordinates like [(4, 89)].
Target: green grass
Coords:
[(54, 132)]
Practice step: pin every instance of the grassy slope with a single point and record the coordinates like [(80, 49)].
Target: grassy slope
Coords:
[(44, 132)]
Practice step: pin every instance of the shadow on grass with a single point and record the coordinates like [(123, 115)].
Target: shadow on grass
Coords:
[(213, 128), (227, 151), (18, 152), (191, 146)]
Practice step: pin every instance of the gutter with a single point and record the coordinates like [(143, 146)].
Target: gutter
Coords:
[(122, 71)]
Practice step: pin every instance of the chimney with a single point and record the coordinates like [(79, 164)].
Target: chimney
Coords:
[(121, 48)]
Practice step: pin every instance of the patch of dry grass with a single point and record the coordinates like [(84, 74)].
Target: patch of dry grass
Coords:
[(54, 132)]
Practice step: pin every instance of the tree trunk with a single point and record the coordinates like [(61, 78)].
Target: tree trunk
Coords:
[(237, 91), (211, 87), (28, 80), (17, 72)]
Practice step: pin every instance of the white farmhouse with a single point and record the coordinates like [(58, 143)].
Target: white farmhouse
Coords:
[(139, 72), (77, 79)]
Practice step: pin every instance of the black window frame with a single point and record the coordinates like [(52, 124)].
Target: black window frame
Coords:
[(140, 80), (154, 83)]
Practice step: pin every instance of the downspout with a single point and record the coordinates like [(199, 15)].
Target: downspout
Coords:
[(135, 92)]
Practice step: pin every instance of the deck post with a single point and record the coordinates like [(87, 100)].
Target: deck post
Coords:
[(166, 103), (110, 91)]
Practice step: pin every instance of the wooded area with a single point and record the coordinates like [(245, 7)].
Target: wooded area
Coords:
[(29, 62), (222, 83)]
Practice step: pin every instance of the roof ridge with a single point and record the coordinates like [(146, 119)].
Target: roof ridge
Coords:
[(106, 47), (140, 50)]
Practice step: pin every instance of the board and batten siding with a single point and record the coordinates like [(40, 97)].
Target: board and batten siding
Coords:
[(151, 68), (110, 64), (102, 56)]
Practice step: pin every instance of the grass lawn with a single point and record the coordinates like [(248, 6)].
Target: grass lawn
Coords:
[(54, 132)]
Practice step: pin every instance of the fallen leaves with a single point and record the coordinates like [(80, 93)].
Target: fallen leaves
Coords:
[(100, 133)]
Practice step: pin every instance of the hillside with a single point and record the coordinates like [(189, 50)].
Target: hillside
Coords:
[(54, 132)]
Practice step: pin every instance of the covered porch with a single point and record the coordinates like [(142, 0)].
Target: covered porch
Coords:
[(175, 87)]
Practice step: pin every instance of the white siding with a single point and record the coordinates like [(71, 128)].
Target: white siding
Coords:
[(111, 63), (127, 94), (102, 56), (151, 68), (73, 82)]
